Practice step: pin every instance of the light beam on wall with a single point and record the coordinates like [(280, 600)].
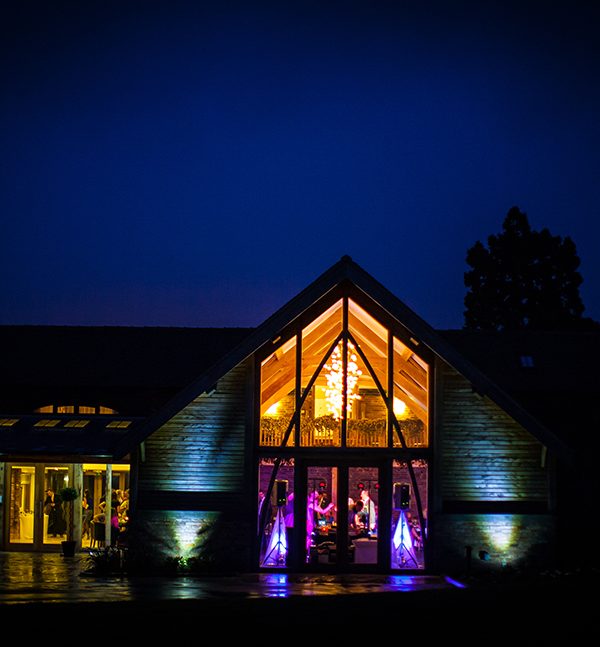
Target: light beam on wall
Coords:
[(191, 529), (500, 531)]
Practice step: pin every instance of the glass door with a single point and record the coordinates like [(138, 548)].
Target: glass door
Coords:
[(363, 515), (36, 515), (321, 537), (55, 478), (341, 503), (23, 506)]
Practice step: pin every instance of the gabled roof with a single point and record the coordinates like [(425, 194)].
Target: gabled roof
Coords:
[(343, 271)]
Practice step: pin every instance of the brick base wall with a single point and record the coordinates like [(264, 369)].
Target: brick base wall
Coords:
[(504, 540), (216, 540)]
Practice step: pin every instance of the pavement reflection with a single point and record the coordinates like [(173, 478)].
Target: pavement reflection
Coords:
[(48, 577)]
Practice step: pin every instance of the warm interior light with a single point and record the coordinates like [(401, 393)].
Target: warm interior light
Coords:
[(399, 407), (272, 410), (334, 393)]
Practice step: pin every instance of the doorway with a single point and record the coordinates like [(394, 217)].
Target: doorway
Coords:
[(341, 507), (36, 516)]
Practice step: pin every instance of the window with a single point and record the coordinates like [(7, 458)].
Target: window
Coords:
[(411, 375), (47, 409), (87, 410), (8, 422), (409, 514), (320, 416), (360, 386), (275, 510), (70, 408), (278, 395), (526, 361), (77, 423), (46, 423), (118, 424), (65, 409)]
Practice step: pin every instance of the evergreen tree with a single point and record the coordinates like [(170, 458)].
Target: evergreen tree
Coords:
[(524, 279)]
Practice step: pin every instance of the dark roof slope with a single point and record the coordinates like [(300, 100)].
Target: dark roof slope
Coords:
[(554, 375), (133, 370)]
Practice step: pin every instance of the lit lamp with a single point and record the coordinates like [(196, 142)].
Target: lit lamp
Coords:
[(400, 408), (272, 410)]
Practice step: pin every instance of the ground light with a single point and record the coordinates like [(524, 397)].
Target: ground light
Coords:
[(402, 541), (276, 554)]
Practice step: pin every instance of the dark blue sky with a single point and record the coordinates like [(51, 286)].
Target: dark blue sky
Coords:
[(189, 163)]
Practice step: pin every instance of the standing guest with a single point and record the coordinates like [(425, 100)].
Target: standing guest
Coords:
[(57, 525), (87, 503), (369, 508)]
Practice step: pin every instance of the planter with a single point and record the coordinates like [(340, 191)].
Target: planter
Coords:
[(68, 548)]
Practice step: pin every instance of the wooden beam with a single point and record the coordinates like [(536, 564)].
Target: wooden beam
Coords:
[(413, 401), (412, 369), (319, 340), (363, 332), (276, 369), (277, 391)]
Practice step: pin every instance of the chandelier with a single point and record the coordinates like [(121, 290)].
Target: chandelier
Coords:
[(334, 393)]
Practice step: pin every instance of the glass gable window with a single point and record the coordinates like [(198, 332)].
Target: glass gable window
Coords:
[(367, 348), (411, 376), (320, 424), (360, 386), (278, 395)]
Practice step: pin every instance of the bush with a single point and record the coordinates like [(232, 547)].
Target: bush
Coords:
[(68, 494)]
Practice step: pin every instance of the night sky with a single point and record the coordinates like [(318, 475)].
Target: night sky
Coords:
[(198, 164)]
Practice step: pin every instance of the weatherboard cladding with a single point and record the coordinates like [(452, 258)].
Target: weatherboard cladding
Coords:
[(485, 455), (200, 449)]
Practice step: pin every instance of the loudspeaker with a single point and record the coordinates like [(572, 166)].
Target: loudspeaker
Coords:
[(279, 494), (401, 496)]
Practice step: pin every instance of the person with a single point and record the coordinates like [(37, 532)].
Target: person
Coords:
[(114, 522), (360, 519), (323, 503), (289, 520), (312, 509), (261, 501), (124, 502), (369, 508), (53, 508), (87, 504), (351, 513), (415, 530)]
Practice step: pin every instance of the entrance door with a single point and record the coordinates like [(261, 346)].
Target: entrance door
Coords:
[(342, 528), (36, 517)]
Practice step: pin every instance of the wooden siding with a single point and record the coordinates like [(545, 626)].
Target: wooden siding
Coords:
[(202, 448), (485, 454)]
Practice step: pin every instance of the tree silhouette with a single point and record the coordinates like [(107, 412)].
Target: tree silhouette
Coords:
[(524, 279)]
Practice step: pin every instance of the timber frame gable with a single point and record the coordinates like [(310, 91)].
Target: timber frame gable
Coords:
[(343, 274)]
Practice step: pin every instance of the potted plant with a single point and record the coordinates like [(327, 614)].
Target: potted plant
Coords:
[(67, 496)]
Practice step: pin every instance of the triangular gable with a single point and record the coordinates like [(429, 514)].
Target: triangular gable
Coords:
[(344, 270)]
